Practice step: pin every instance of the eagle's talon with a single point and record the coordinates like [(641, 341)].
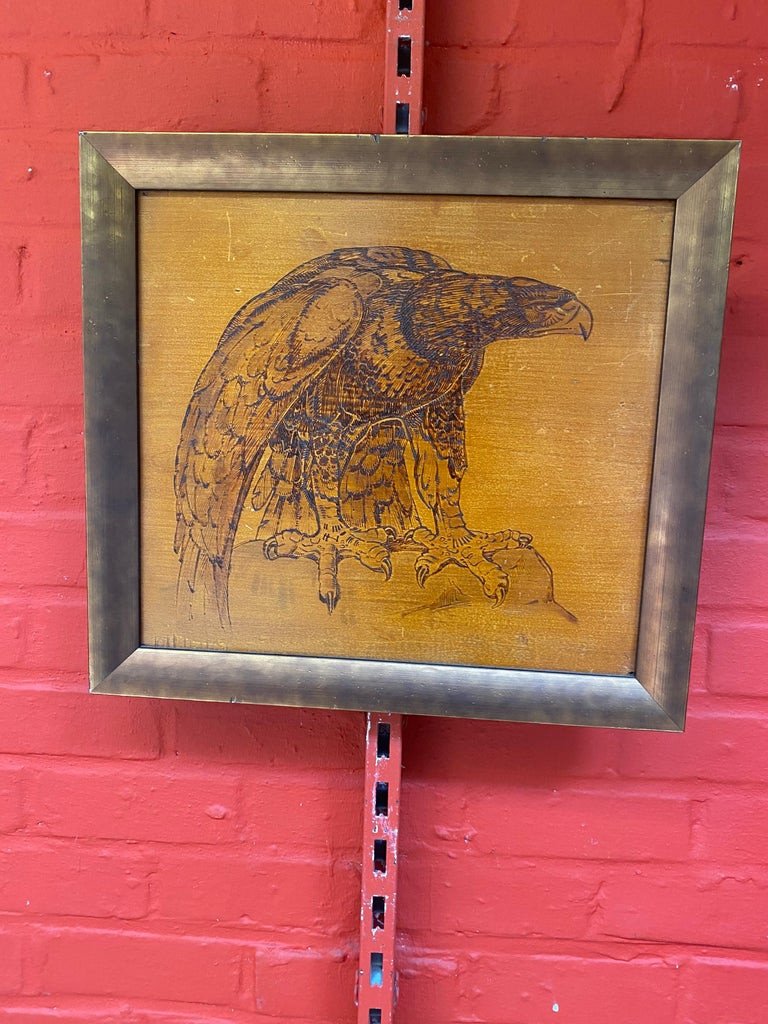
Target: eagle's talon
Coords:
[(270, 550), (386, 567), (500, 594), (422, 575)]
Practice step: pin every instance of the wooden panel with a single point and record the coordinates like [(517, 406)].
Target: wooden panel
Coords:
[(559, 431)]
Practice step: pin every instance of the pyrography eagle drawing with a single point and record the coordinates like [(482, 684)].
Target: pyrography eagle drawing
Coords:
[(314, 394)]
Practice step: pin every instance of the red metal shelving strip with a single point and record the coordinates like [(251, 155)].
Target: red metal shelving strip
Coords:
[(377, 981), (404, 50)]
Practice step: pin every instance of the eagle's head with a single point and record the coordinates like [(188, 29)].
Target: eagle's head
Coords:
[(478, 309), (521, 307)]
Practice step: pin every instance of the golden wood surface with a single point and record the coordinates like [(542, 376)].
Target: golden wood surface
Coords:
[(559, 432)]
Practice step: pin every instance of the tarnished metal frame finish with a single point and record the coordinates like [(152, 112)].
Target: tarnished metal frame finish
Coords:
[(699, 175)]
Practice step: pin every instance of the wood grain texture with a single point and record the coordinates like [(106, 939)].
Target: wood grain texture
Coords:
[(559, 433)]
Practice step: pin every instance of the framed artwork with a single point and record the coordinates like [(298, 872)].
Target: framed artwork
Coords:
[(405, 424)]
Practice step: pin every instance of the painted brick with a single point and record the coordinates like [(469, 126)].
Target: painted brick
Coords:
[(15, 429), (341, 102), (39, 552), (11, 953), (305, 811), (102, 1010), (69, 880), (13, 76), (472, 107), (230, 92), (145, 966), (56, 470), (677, 906), (154, 804), (724, 991), (492, 752), (52, 722), (725, 747), (527, 990), (11, 799), (318, 19), (42, 365), (751, 217), (743, 381), (107, 91), (451, 890), (12, 256), (699, 658), (12, 634), (269, 736), (464, 23), (728, 23), (226, 18), (730, 828), (691, 98), (47, 18), (51, 284), (292, 19), (570, 22), (38, 177), (745, 288), (739, 479), (739, 660), (57, 634), (544, 92), (613, 823), (266, 894), (734, 571), (320, 981)]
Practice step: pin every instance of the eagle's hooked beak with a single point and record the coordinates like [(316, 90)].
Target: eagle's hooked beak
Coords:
[(571, 317), (579, 320)]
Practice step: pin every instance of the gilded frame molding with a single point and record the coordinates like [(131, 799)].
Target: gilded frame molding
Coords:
[(700, 176)]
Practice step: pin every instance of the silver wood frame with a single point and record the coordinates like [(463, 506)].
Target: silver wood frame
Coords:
[(700, 176)]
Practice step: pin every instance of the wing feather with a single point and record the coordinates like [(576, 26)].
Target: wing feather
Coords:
[(251, 381)]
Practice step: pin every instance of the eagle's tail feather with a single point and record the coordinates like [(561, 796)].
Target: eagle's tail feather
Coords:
[(375, 490), (282, 495), (202, 583)]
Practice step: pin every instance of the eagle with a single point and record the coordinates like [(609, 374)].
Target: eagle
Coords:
[(315, 396)]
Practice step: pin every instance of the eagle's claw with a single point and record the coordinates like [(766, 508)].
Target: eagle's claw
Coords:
[(329, 546), (270, 550), (422, 575), (471, 551)]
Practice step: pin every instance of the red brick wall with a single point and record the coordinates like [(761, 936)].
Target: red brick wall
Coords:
[(182, 863)]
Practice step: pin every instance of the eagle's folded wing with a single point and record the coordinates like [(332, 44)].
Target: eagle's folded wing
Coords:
[(268, 354)]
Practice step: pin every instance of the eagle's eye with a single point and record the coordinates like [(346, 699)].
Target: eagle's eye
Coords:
[(540, 307)]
